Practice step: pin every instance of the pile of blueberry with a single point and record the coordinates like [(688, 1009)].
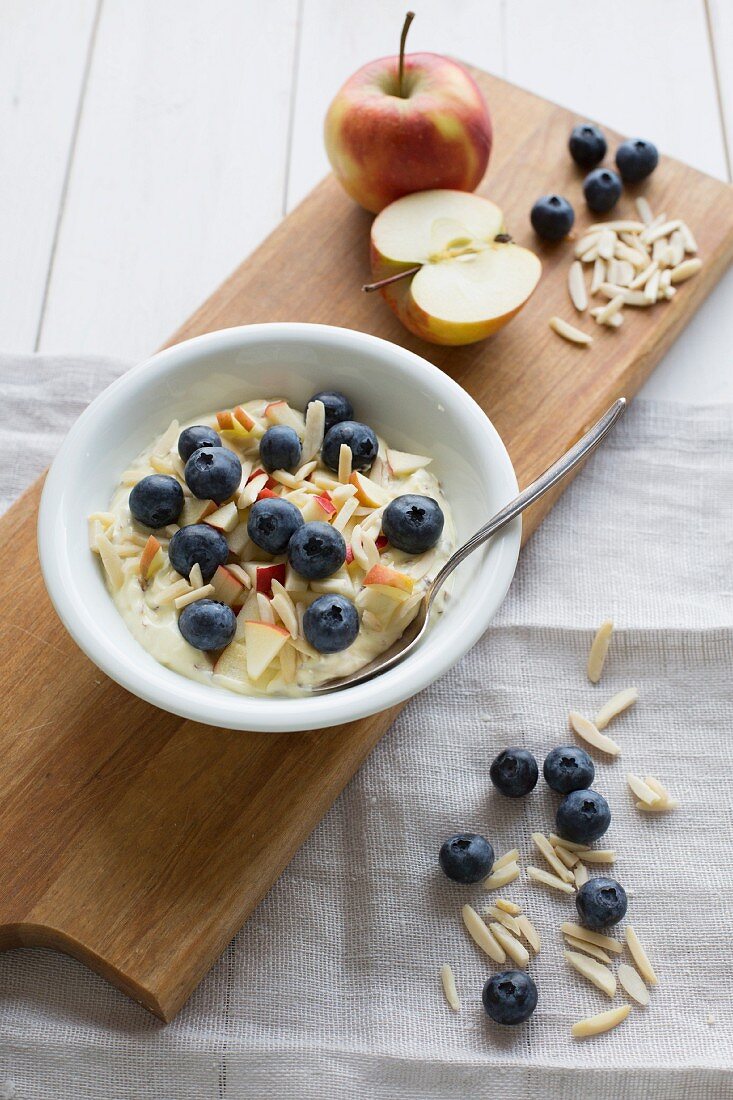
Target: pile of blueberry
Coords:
[(582, 817), (315, 550), (552, 216)]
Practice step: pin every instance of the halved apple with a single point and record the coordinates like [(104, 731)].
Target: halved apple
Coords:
[(263, 641), (472, 277)]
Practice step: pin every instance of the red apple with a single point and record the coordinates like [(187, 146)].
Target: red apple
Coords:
[(407, 123), (266, 574)]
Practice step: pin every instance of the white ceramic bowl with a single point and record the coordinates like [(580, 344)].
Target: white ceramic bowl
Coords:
[(411, 403)]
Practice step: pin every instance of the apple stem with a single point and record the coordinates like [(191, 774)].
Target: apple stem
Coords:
[(369, 287), (403, 39)]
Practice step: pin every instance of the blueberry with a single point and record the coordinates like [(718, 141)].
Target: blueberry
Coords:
[(198, 435), (213, 473), (582, 816), (316, 551), (360, 439), (280, 448), (568, 768), (587, 145), (413, 523), (514, 772), (636, 159), (602, 189), (509, 997), (198, 543), (552, 217), (272, 523), (601, 902), (466, 857), (156, 500), (207, 624), (331, 624), (338, 407)]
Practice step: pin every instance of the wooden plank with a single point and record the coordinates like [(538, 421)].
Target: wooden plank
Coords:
[(139, 842), (179, 170), (644, 68), (43, 52), (337, 38)]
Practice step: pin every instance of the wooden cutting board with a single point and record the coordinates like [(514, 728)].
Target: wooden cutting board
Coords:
[(139, 842)]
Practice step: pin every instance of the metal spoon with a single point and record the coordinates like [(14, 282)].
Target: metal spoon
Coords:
[(417, 628)]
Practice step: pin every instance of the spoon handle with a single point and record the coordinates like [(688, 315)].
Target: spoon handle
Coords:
[(533, 492)]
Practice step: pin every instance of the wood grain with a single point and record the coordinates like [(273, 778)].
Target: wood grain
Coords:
[(139, 842)]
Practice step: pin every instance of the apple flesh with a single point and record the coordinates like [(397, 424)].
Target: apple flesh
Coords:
[(385, 141), (472, 278)]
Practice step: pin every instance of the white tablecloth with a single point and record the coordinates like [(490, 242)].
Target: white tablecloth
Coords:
[(331, 991)]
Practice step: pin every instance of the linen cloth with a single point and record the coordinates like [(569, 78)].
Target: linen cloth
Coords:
[(331, 990)]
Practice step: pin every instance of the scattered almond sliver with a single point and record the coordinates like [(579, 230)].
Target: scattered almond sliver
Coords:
[(588, 733), (557, 841), (502, 877), (604, 1021), (638, 787), (581, 875), (202, 593), (570, 859), (446, 973), (599, 647), (580, 933), (508, 857), (615, 706), (589, 948), (640, 956), (529, 932), (503, 918), (538, 875), (599, 855), (516, 951), (633, 984), (593, 970), (569, 332), (545, 848), (481, 935), (508, 906)]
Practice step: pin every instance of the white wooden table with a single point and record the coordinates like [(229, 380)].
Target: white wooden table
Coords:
[(149, 145)]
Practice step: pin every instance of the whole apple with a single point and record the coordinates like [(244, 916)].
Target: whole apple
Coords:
[(408, 123)]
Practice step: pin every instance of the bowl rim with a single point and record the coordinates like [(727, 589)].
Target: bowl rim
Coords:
[(271, 713)]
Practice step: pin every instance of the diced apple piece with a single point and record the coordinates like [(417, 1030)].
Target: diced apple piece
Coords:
[(243, 417), (265, 493), (225, 420), (381, 542), (228, 588), (151, 559), (279, 412), (225, 518), (263, 641), (266, 574), (402, 463), (233, 662), (367, 491), (327, 504), (314, 509), (195, 511), (383, 575), (239, 542), (349, 554)]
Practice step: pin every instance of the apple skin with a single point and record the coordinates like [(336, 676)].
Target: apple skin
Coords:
[(382, 146)]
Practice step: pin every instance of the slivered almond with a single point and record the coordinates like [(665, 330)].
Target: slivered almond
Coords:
[(576, 286), (581, 875), (588, 733), (580, 933), (265, 609), (599, 855), (503, 918), (538, 875), (590, 240), (640, 956), (514, 949), (589, 948), (641, 789), (633, 984), (529, 932), (449, 982), (240, 574), (195, 577), (657, 787), (285, 608), (601, 317), (623, 225), (651, 288), (593, 970), (570, 859), (607, 244), (173, 591), (631, 297), (571, 846), (644, 276), (615, 706), (677, 248), (202, 593), (658, 807), (604, 1021), (688, 239), (652, 233), (645, 210), (633, 256), (624, 273), (481, 936), (508, 906), (345, 460), (569, 332), (346, 511), (111, 561), (315, 424), (508, 857), (543, 845), (599, 649), (503, 877), (614, 306), (599, 275), (685, 270)]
